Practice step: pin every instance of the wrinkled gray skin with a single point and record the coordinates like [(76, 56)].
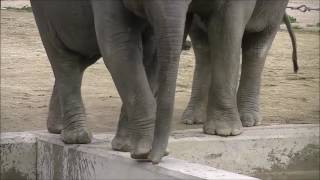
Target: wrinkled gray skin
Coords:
[(75, 33), (219, 30), (195, 113)]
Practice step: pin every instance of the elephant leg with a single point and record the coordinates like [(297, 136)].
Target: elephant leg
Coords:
[(150, 59), (255, 49), (55, 115), (121, 141), (68, 77), (196, 111), (68, 70), (225, 37), (168, 21), (68, 64), (54, 119), (119, 38)]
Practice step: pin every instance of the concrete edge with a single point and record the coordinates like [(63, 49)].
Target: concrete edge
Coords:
[(177, 169), (254, 128), (18, 155), (18, 137), (264, 149), (252, 133)]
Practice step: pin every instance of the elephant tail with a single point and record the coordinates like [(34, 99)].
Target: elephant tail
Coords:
[(186, 45), (293, 41)]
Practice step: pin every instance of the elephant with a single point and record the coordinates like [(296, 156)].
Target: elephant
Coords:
[(77, 33), (219, 30)]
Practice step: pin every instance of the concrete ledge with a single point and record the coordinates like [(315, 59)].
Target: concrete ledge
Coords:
[(56, 160), (98, 161), (18, 156), (272, 152), (261, 151)]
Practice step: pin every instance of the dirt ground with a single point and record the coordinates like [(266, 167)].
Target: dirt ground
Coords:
[(27, 79)]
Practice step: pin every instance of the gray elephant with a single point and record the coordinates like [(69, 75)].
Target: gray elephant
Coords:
[(76, 33), (219, 30)]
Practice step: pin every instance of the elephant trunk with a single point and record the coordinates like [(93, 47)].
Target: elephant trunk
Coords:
[(168, 55), (168, 19)]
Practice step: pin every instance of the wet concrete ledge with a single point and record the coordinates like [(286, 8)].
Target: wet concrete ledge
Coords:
[(40, 155)]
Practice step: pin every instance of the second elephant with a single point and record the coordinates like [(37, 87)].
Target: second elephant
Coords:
[(219, 30)]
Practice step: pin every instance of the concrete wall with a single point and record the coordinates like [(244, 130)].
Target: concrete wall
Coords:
[(50, 158), (266, 152), (18, 156), (56, 161), (97, 161), (259, 151)]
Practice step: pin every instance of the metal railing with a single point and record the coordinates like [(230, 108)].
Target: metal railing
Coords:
[(303, 8)]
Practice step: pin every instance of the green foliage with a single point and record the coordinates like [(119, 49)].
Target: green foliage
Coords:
[(292, 19), (24, 8), (296, 27)]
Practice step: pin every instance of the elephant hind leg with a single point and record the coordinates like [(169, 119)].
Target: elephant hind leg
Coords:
[(55, 115), (121, 141), (68, 70), (225, 35), (255, 49), (54, 119), (66, 112)]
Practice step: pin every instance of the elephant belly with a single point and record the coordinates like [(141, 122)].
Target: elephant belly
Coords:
[(266, 13), (70, 23), (205, 8), (135, 6)]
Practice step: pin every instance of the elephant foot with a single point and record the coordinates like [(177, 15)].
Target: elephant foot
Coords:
[(121, 143), (141, 147), (156, 155), (223, 124), (54, 128), (209, 127), (54, 122), (143, 151), (194, 116), (250, 119), (76, 136)]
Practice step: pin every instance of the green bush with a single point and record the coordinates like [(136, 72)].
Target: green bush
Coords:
[(24, 8), (292, 19), (296, 27)]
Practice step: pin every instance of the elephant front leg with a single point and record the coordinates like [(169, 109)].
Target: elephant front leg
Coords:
[(225, 40), (255, 49), (54, 119), (121, 141), (196, 111), (119, 39)]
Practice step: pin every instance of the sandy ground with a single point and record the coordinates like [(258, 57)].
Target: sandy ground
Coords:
[(27, 79)]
